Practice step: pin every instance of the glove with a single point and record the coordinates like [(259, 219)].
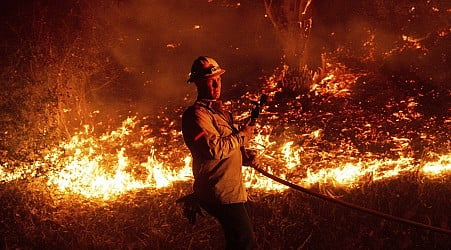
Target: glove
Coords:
[(249, 157), (246, 132), (191, 207)]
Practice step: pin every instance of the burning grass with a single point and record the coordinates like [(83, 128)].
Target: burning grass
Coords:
[(115, 187), (378, 138), (149, 218)]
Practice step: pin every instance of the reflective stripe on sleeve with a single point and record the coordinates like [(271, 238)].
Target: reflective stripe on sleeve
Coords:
[(199, 135)]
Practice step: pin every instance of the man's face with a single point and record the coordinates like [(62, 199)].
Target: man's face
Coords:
[(210, 88)]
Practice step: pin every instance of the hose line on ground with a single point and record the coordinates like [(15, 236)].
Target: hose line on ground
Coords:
[(351, 205)]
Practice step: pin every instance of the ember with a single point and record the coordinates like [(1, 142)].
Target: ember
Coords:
[(128, 158)]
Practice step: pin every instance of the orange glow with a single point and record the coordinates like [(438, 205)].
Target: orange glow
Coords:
[(134, 156), (438, 168), (80, 166)]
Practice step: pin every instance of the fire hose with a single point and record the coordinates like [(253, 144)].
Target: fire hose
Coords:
[(191, 207), (351, 205), (254, 115)]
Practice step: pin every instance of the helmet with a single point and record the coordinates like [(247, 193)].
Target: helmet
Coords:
[(204, 67)]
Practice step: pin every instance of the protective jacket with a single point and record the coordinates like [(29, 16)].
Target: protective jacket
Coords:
[(214, 143)]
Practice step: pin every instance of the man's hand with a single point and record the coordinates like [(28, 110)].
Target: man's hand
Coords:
[(247, 132), (249, 158)]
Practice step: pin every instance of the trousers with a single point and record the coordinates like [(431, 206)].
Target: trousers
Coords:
[(235, 222)]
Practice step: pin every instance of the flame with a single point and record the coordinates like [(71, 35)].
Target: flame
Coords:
[(415, 42), (86, 165), (438, 168), (88, 169), (134, 156), (292, 158), (352, 174)]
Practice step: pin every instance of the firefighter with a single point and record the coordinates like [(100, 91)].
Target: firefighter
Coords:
[(215, 142)]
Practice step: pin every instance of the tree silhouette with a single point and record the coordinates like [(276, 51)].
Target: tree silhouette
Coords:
[(292, 20)]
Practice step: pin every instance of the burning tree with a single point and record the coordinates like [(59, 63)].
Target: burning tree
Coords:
[(293, 21)]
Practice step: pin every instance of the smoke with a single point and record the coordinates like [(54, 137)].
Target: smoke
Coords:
[(406, 38), (147, 46), (156, 41)]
